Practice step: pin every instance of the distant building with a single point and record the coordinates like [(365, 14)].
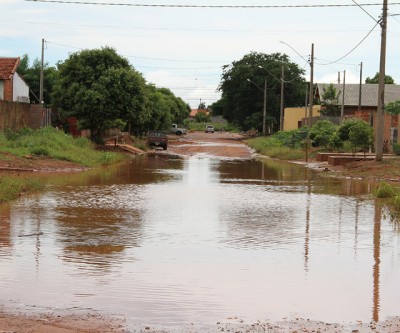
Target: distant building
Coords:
[(367, 109), (12, 87), (193, 112), (295, 118)]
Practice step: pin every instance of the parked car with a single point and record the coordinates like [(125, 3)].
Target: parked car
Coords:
[(157, 139), (177, 130), (209, 128)]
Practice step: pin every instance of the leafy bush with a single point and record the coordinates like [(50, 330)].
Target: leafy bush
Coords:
[(322, 133), (361, 135), (344, 128)]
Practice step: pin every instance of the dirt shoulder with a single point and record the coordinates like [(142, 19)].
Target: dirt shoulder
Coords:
[(55, 322)]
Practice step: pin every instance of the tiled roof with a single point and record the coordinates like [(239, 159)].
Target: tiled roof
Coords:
[(8, 66), (193, 112), (369, 93)]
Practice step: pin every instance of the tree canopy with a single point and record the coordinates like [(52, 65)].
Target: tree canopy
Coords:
[(242, 87), (375, 79), (31, 75), (330, 102), (98, 87)]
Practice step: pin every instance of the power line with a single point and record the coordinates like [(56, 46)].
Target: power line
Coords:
[(204, 6), (333, 62)]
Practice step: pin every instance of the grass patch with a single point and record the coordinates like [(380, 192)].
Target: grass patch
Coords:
[(12, 188), (52, 143), (273, 148)]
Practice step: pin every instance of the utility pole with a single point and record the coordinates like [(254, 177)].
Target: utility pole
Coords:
[(41, 76), (311, 95), (360, 88), (265, 108), (338, 77), (343, 91), (282, 98), (381, 89), (311, 99)]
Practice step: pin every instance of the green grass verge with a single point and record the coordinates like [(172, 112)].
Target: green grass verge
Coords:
[(270, 147), (55, 144), (12, 187), (49, 143)]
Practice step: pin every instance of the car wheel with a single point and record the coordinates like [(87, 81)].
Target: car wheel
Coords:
[(179, 133)]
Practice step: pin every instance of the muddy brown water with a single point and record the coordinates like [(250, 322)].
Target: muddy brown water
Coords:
[(173, 242)]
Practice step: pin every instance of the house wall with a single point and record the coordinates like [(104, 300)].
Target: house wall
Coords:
[(8, 90), (293, 117), (20, 89)]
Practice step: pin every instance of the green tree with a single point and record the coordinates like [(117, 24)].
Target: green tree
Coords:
[(202, 117), (375, 79), (241, 98), (330, 101), (344, 128), (202, 106), (393, 108), (322, 133), (99, 87), (361, 135), (31, 75)]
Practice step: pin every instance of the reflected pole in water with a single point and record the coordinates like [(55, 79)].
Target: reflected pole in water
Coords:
[(377, 260), (307, 235)]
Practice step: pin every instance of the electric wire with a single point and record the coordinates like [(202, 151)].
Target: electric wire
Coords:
[(355, 47), (202, 6)]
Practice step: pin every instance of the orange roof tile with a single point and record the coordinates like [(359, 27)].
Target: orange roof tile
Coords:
[(8, 66)]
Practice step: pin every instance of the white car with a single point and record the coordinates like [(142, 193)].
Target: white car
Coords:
[(209, 128)]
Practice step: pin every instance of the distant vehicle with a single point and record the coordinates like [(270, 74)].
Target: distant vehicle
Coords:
[(177, 130), (157, 139), (209, 128)]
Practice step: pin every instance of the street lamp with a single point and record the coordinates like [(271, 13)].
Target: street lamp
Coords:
[(265, 104), (282, 81)]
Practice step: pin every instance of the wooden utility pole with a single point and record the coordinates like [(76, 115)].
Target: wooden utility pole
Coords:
[(282, 98), (311, 99), (381, 89), (41, 76), (311, 96), (343, 93), (360, 88), (265, 108)]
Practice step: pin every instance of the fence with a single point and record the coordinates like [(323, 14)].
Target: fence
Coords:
[(16, 116)]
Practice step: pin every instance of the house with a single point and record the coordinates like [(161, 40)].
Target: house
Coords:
[(367, 109), (12, 86), (193, 112), (297, 117)]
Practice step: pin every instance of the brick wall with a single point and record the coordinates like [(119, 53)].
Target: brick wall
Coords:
[(8, 90)]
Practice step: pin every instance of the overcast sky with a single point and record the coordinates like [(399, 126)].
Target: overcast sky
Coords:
[(184, 48)]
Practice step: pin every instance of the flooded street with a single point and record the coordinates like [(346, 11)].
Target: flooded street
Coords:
[(168, 242)]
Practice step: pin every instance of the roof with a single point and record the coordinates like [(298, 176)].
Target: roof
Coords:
[(8, 66), (193, 112), (369, 93)]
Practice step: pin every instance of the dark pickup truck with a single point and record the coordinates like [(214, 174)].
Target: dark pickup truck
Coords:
[(157, 139)]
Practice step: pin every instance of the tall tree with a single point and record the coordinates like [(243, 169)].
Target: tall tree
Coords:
[(242, 87), (330, 101), (31, 75), (99, 87), (375, 79)]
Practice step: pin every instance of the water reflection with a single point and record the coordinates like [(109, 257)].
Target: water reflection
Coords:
[(169, 241)]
